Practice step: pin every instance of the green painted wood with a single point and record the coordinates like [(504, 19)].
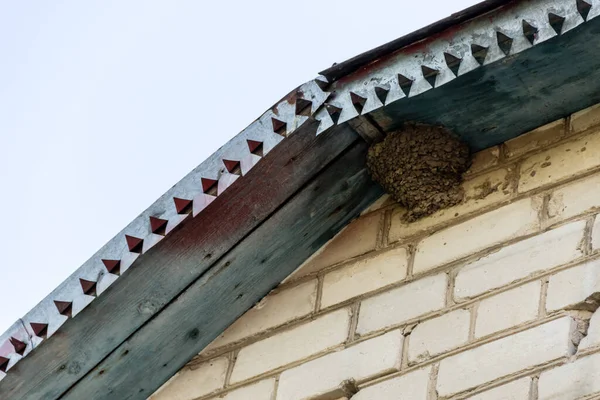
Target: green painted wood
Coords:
[(239, 280), (168, 268), (502, 100)]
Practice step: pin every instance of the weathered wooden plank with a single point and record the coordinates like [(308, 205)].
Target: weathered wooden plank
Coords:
[(243, 276), (168, 268), (364, 126), (493, 104)]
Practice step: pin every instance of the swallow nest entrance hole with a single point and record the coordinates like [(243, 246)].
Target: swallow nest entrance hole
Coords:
[(421, 167)]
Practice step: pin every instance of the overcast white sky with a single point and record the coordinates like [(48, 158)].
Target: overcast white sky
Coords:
[(104, 105)]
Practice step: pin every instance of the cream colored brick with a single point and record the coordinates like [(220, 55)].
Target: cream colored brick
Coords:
[(571, 381), (508, 222), (593, 334), (364, 276), (536, 139), (517, 390), (504, 357), (519, 260), (586, 118), (596, 234), (484, 159), (559, 163), (573, 286), (302, 341), (262, 390), (190, 383), (359, 237), (439, 335), (508, 309), (574, 199), (324, 375), (274, 310), (412, 386), (402, 304), (380, 203), (481, 191)]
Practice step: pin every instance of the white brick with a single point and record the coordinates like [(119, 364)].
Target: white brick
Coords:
[(508, 309), (364, 276), (382, 202), (412, 386), (504, 356), (262, 390), (274, 310), (508, 222), (519, 260), (402, 304), (585, 118), (357, 238), (325, 375), (571, 381), (536, 139), (593, 334), (439, 335), (596, 234), (190, 383), (574, 199), (300, 342), (481, 191), (517, 390), (484, 159), (573, 285), (561, 162)]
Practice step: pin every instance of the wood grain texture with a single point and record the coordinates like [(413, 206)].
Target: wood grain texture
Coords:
[(240, 279), (168, 268), (505, 99), (364, 126)]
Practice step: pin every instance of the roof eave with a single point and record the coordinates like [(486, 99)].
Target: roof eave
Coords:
[(311, 152)]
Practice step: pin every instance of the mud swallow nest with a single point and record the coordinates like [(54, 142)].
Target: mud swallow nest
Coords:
[(421, 167)]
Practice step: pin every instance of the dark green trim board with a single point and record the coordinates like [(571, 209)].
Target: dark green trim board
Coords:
[(172, 265), (235, 283), (491, 105)]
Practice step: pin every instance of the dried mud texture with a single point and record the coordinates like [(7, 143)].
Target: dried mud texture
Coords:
[(421, 167)]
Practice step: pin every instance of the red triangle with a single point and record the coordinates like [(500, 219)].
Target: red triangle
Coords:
[(303, 107), (64, 307), (231, 166), (39, 330), (208, 184), (88, 287), (279, 127), (182, 206), (255, 147), (158, 226), (18, 345), (113, 266), (135, 244), (4, 364), (358, 102)]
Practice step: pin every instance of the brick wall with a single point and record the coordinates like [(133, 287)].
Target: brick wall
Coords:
[(494, 298)]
